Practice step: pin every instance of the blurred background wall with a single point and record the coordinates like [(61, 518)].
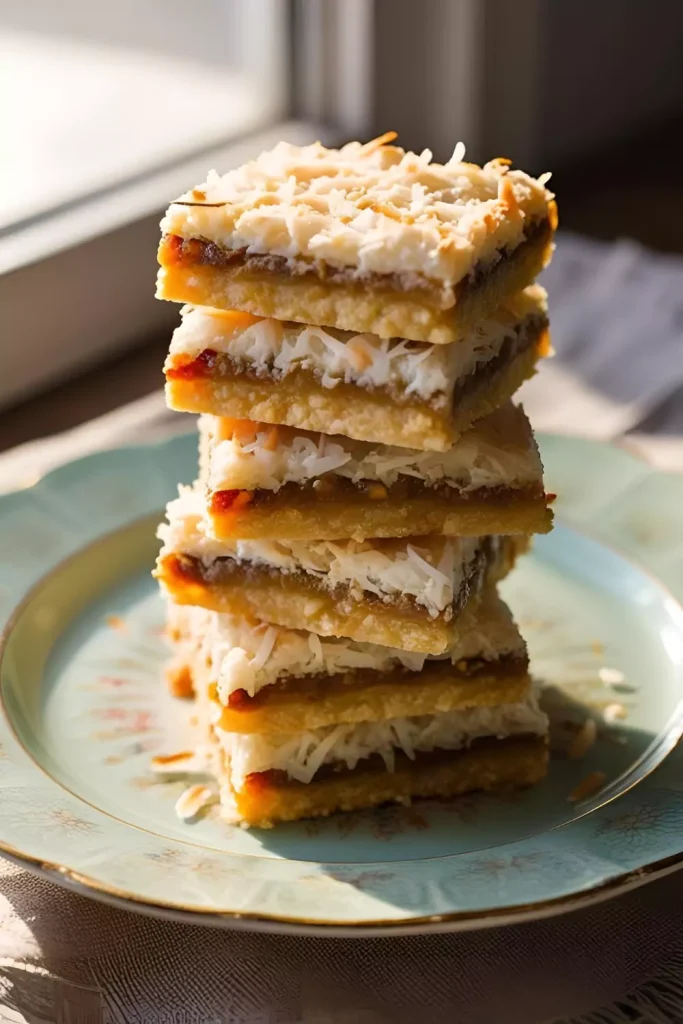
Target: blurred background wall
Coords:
[(608, 71), (551, 81)]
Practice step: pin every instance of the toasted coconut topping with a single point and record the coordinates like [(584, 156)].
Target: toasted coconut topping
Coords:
[(194, 800), (498, 451), (373, 208), (611, 676)]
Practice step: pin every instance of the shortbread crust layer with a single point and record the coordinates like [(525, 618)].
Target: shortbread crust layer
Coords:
[(312, 702), (298, 400), (302, 513), (489, 765), (200, 273)]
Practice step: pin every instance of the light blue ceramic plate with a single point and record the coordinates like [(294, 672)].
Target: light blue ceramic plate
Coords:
[(84, 710)]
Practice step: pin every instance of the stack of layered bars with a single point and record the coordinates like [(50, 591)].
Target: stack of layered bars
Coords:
[(358, 322)]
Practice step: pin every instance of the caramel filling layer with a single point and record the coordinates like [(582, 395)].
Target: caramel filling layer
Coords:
[(374, 766), (190, 569), (195, 252), (335, 488), (313, 688)]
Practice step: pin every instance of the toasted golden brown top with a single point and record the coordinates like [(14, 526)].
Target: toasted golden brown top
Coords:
[(373, 208)]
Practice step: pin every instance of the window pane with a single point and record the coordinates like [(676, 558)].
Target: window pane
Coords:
[(98, 93)]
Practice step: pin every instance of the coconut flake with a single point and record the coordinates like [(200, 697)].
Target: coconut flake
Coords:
[(613, 713), (194, 800), (319, 754), (185, 762), (589, 786), (316, 648), (583, 740), (611, 676), (458, 154), (265, 648), (302, 755)]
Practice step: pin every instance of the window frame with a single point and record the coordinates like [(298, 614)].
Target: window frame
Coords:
[(77, 280)]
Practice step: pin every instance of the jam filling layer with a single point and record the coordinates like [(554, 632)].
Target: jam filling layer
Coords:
[(507, 666), (224, 570)]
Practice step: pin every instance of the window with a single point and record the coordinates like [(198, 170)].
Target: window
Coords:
[(110, 109), (103, 93)]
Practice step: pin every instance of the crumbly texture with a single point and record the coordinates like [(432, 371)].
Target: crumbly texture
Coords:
[(300, 400), (488, 765), (364, 210), (295, 601), (415, 314)]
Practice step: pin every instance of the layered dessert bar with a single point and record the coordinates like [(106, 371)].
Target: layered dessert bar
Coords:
[(267, 777), (266, 679), (268, 482), (357, 321), (367, 238), (404, 593), (388, 390)]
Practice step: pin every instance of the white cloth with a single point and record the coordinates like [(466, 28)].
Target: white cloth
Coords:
[(65, 958)]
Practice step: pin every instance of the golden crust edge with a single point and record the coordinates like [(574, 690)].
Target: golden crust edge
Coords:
[(388, 518)]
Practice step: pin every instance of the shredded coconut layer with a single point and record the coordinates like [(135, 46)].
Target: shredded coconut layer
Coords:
[(243, 655), (302, 754), (430, 570), (498, 451), (274, 349), (373, 208)]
